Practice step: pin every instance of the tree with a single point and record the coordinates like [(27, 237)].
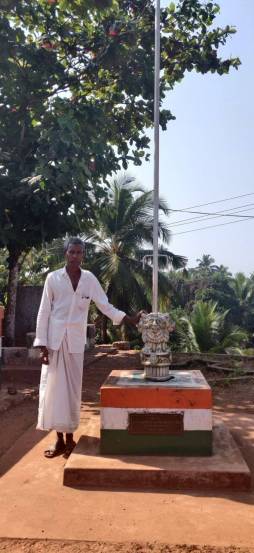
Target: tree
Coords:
[(218, 289), (122, 226), (66, 70), (204, 282), (3, 275), (207, 323), (206, 264), (212, 284), (206, 329), (182, 288), (243, 292)]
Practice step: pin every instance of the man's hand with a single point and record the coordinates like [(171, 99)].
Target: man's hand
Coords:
[(133, 319), (44, 355)]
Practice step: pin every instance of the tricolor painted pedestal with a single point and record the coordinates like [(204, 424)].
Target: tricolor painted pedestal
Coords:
[(156, 435), (141, 417)]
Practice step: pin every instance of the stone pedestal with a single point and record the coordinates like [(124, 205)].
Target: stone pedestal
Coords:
[(156, 435), (141, 417)]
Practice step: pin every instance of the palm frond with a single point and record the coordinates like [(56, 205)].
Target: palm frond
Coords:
[(123, 224), (185, 335)]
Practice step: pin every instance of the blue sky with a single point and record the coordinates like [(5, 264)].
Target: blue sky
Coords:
[(207, 154)]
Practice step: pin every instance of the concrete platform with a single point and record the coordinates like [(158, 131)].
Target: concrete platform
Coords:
[(224, 470)]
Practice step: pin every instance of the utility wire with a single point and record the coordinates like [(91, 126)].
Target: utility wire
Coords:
[(212, 226), (215, 202), (214, 215)]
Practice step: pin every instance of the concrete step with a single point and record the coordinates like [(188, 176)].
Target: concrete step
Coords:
[(224, 470)]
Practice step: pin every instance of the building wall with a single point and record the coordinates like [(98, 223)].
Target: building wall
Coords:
[(28, 301)]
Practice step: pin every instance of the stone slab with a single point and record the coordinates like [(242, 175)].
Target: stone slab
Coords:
[(224, 470), (187, 390), (122, 345), (14, 355)]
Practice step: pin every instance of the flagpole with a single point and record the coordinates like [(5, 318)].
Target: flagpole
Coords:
[(156, 154)]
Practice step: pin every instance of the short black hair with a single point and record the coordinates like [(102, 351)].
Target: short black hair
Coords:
[(73, 240)]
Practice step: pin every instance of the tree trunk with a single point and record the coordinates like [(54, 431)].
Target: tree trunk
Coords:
[(9, 321), (104, 329), (124, 332)]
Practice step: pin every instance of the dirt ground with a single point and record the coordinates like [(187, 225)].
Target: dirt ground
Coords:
[(54, 546), (18, 414)]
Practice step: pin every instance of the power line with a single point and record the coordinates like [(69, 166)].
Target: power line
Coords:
[(215, 202), (213, 215), (212, 226)]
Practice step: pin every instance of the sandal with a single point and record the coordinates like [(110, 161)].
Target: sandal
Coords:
[(54, 450), (68, 449)]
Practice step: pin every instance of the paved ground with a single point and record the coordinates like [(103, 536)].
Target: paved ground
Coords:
[(36, 506)]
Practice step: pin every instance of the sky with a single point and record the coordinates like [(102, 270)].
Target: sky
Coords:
[(207, 153)]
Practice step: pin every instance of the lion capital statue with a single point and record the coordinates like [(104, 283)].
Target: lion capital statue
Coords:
[(155, 329)]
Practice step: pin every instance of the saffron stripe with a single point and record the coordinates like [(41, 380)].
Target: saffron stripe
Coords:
[(156, 398), (188, 390)]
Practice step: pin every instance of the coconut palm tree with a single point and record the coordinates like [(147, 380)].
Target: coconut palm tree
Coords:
[(206, 265), (243, 290), (206, 329), (121, 228)]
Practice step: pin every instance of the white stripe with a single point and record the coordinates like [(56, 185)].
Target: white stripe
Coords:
[(116, 418)]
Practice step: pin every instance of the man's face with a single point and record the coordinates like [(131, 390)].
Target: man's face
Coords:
[(74, 255)]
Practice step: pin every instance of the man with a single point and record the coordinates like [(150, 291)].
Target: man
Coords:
[(61, 335)]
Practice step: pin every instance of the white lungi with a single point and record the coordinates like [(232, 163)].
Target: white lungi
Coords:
[(60, 390)]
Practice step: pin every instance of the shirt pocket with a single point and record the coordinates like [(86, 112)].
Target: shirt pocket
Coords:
[(83, 302)]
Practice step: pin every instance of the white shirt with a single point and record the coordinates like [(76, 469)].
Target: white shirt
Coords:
[(63, 310)]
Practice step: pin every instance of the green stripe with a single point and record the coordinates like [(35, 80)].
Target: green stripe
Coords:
[(196, 442)]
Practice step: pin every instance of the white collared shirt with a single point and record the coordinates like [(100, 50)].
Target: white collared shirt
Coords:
[(64, 311)]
